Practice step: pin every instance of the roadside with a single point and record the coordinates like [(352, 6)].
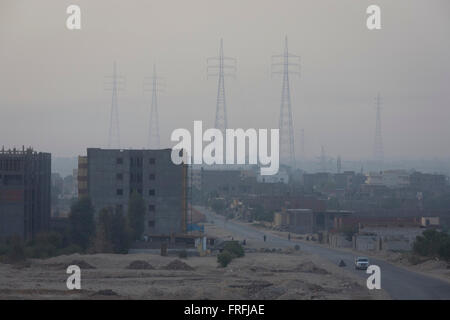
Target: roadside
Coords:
[(437, 269)]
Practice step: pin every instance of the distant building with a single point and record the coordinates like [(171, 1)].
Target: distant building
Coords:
[(25, 183), (427, 182), (281, 177), (316, 181), (110, 176), (295, 220), (389, 178)]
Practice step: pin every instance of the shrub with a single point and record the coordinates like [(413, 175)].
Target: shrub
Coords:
[(73, 248), (224, 258), (182, 254), (16, 252), (235, 248), (433, 243)]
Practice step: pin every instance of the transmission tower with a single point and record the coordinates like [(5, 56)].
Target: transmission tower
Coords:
[(154, 85), (378, 153), (114, 83), (286, 62), (221, 66), (323, 159), (338, 164), (303, 144)]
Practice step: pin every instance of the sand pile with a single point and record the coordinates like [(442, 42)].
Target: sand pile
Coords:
[(81, 263), (310, 267), (178, 265), (140, 265)]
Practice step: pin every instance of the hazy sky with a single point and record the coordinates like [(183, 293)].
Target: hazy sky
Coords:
[(52, 93)]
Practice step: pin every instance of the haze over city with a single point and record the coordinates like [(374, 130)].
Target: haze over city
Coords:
[(52, 81)]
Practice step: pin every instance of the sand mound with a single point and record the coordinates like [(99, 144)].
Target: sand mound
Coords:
[(140, 265), (178, 265), (310, 267), (81, 263)]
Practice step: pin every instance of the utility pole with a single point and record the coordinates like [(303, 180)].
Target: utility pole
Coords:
[(114, 83), (286, 61)]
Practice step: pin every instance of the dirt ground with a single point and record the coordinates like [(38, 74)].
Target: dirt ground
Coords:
[(255, 276), (286, 274)]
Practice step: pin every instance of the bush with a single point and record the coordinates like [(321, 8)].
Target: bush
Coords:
[(16, 253), (433, 243), (73, 248), (183, 254), (235, 248), (224, 258)]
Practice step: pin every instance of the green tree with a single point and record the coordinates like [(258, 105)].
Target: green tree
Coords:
[(103, 232), (113, 235), (432, 243), (121, 233), (224, 258), (81, 222), (136, 215), (235, 248)]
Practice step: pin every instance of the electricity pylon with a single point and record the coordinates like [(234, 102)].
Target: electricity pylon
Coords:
[(153, 84), (286, 61), (378, 153), (221, 66), (115, 83)]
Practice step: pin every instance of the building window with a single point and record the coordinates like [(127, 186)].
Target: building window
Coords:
[(139, 191), (152, 176), (151, 208), (151, 192), (119, 176), (151, 223), (119, 192), (119, 208), (151, 161), (119, 161)]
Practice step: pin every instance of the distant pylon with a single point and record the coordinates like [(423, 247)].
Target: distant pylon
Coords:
[(303, 144), (378, 153), (338, 164), (286, 127), (116, 84), (153, 130), (218, 69), (323, 159)]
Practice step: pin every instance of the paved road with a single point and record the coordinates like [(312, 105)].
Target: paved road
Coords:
[(398, 282)]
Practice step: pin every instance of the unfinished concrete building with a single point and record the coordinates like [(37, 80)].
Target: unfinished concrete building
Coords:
[(110, 176), (25, 183)]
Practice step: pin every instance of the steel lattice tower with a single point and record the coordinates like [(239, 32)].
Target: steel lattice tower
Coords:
[(286, 127), (303, 144), (220, 64), (153, 131), (378, 153), (116, 83)]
